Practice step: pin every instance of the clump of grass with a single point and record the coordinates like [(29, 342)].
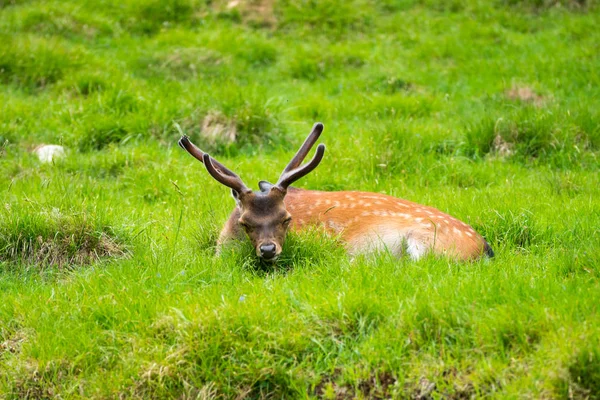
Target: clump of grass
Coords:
[(257, 52), (207, 233), (51, 238), (6, 3), (310, 246), (255, 13), (431, 325), (543, 5), (479, 137), (7, 135), (63, 20), (88, 84), (583, 375), (33, 63), (236, 123), (336, 17), (216, 341), (148, 17), (377, 384), (531, 134), (102, 164), (36, 381), (300, 249), (520, 230), (305, 66), (113, 119), (310, 64), (103, 131), (183, 64), (390, 84), (586, 127)]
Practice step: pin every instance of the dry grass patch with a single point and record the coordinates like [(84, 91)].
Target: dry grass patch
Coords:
[(526, 94), (217, 129), (13, 342), (259, 13), (377, 385)]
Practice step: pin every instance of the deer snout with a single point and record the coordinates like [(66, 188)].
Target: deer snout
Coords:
[(268, 251)]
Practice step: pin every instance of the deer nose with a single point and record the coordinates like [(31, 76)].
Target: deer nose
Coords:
[(267, 251)]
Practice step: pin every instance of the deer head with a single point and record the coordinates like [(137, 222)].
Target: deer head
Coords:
[(263, 215)]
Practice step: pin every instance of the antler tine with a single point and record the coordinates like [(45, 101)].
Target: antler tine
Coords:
[(305, 148), (232, 181), (198, 154), (289, 177)]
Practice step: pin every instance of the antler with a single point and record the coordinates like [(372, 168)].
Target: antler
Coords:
[(217, 170), (293, 171)]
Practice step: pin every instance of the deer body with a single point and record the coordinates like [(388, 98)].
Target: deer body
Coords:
[(365, 222), (371, 222)]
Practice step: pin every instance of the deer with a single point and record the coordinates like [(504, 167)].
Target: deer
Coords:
[(364, 222)]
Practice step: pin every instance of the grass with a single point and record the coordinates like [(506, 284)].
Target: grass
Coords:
[(110, 287)]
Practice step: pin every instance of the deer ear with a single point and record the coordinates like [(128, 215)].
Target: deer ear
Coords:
[(265, 186), (236, 197)]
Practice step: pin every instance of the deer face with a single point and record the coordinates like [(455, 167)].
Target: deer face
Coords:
[(262, 214), (265, 220)]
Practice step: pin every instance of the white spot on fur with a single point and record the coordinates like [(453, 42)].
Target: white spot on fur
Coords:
[(415, 248), (469, 234), (418, 219), (334, 225)]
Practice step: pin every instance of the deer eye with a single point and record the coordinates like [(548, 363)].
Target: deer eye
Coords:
[(287, 221), (245, 225)]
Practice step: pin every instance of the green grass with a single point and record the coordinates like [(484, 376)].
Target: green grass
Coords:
[(487, 110)]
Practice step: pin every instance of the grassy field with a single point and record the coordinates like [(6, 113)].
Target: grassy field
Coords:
[(109, 286)]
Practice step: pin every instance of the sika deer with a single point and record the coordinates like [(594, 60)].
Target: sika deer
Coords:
[(365, 222)]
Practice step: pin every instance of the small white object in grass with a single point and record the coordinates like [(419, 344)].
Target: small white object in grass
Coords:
[(49, 152)]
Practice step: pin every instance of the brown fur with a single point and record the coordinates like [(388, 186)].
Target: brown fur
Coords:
[(360, 219)]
